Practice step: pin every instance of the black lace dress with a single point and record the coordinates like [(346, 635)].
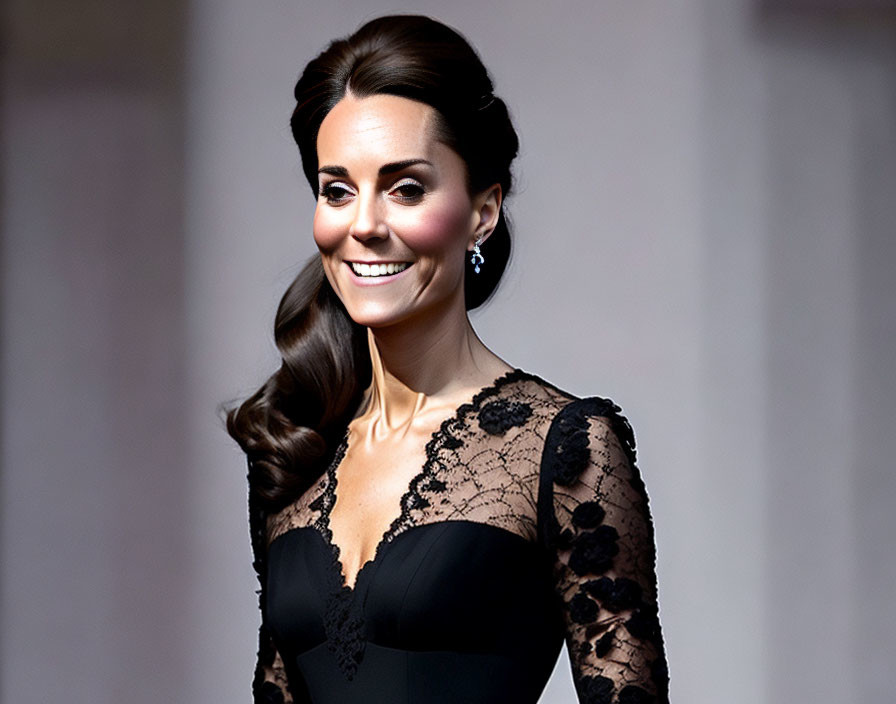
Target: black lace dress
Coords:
[(527, 525)]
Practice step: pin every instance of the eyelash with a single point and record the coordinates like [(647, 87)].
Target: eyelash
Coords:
[(418, 188), (328, 190)]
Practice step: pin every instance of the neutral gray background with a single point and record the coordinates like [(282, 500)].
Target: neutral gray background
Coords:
[(704, 233)]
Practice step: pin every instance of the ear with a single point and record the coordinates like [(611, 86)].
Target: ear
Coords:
[(486, 211)]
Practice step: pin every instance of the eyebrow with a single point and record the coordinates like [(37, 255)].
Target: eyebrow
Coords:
[(385, 169)]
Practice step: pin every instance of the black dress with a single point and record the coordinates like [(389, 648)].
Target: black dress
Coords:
[(528, 524)]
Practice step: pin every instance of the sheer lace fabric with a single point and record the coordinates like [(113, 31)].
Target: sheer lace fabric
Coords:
[(602, 536), (530, 459)]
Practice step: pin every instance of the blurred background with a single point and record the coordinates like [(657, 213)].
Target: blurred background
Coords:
[(704, 223)]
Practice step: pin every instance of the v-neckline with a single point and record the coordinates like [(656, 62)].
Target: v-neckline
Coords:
[(404, 502)]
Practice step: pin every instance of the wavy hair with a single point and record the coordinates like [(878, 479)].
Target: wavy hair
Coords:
[(289, 427)]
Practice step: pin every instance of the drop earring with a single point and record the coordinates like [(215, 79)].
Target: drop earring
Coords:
[(477, 255)]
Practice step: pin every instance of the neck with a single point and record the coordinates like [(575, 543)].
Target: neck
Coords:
[(425, 365)]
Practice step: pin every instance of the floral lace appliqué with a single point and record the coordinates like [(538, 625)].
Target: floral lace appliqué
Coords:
[(601, 532), (526, 457)]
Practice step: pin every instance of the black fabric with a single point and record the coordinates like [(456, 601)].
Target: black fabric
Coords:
[(527, 525)]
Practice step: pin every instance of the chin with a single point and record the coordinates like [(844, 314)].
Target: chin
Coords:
[(373, 318)]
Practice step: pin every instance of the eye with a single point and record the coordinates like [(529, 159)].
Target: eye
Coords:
[(335, 192), (408, 191)]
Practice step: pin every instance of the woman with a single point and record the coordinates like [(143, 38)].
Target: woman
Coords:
[(429, 522)]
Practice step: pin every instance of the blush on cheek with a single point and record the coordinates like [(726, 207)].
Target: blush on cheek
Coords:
[(438, 229), (326, 232)]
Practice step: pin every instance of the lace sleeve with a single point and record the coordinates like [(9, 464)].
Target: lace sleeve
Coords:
[(600, 534), (270, 684)]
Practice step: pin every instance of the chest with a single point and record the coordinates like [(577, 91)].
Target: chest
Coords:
[(369, 482)]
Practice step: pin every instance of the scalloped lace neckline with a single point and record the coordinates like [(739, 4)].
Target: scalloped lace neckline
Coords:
[(437, 437)]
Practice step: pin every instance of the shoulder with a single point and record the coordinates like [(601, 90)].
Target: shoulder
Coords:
[(526, 392), (586, 425), (568, 424), (579, 431), (560, 407)]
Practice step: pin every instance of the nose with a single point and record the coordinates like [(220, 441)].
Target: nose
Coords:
[(368, 222)]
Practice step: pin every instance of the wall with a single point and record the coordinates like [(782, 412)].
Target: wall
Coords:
[(94, 502)]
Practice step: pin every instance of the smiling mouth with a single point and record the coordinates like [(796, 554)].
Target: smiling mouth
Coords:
[(370, 271)]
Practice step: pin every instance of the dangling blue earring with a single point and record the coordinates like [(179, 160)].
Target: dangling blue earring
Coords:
[(477, 255)]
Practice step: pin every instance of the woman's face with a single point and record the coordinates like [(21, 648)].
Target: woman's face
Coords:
[(394, 219)]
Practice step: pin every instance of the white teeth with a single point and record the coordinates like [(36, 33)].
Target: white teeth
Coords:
[(372, 270)]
